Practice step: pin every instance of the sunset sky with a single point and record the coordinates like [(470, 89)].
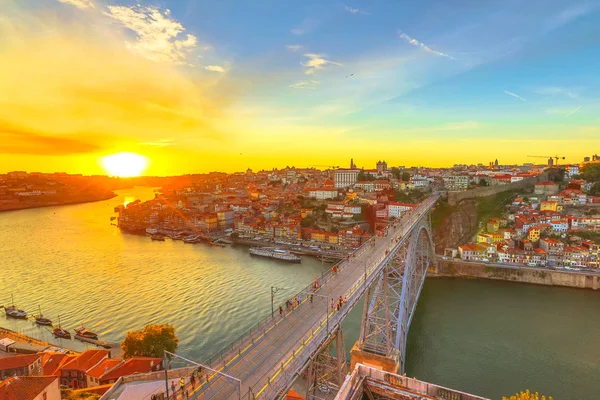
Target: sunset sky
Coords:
[(198, 86)]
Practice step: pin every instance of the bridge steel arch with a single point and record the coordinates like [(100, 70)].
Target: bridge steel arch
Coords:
[(390, 305)]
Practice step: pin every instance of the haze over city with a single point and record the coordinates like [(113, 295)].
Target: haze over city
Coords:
[(201, 87)]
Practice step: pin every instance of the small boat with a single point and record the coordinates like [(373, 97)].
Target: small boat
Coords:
[(113, 218), (158, 238), (41, 320), (60, 332), (192, 239), (86, 333), (14, 312)]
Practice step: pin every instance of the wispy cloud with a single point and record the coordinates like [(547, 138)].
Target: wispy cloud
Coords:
[(156, 33), (516, 96), (554, 91), (570, 14), (305, 85), (24, 140), (352, 10), (214, 68), (422, 46), (307, 26), (294, 47), (317, 62), (575, 110), (82, 4)]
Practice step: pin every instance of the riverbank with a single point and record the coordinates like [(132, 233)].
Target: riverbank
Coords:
[(24, 344), (519, 274), (66, 202)]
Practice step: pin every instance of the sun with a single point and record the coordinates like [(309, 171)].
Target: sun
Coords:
[(124, 164)]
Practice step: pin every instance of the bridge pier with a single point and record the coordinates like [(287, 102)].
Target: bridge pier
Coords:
[(388, 364), (326, 372)]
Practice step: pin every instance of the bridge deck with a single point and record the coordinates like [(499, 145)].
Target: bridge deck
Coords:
[(266, 359)]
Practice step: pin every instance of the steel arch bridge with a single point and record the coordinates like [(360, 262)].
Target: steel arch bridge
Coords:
[(390, 305), (388, 271)]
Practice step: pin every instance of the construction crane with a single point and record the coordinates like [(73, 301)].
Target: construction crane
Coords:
[(550, 157)]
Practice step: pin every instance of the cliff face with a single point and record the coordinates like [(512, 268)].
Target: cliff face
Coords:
[(456, 228)]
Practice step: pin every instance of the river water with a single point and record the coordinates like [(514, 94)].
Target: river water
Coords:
[(488, 338)]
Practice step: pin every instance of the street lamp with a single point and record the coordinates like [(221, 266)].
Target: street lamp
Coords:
[(274, 289), (326, 308), (166, 367)]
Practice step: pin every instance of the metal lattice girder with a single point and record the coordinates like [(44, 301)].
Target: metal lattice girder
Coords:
[(326, 371), (389, 306), (382, 305), (420, 255)]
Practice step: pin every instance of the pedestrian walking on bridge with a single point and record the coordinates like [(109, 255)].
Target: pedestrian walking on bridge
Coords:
[(280, 311)]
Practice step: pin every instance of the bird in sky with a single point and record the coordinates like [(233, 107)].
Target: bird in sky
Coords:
[(348, 76)]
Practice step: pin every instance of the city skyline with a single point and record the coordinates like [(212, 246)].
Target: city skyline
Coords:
[(199, 88)]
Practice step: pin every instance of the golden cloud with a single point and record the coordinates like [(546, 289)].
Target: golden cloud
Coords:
[(75, 87)]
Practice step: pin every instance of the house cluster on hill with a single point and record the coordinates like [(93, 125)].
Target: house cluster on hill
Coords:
[(551, 227)]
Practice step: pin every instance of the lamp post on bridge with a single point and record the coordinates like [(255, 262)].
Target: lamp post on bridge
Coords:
[(326, 308), (274, 289)]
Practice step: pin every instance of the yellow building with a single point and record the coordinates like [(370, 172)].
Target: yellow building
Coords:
[(534, 233), (549, 206), (490, 238), (493, 225)]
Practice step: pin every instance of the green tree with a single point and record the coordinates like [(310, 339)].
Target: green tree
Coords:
[(405, 176), (307, 222), (152, 341), (595, 190), (235, 235), (556, 174), (591, 173), (396, 173), (483, 182)]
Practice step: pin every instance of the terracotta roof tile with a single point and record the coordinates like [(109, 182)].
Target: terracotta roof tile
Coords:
[(86, 360), (18, 361), (25, 387), (51, 362), (103, 367), (132, 366)]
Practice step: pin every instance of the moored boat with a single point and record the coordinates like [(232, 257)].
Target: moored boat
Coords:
[(41, 320), (86, 333), (277, 254), (14, 312), (158, 238), (60, 332)]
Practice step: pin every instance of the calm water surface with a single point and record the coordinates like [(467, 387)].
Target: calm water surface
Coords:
[(485, 337)]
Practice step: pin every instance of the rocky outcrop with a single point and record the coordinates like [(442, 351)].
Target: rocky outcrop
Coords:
[(458, 227)]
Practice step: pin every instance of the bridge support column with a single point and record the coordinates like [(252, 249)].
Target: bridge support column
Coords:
[(384, 363), (326, 372)]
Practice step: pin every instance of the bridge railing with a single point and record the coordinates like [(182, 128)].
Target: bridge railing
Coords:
[(255, 331), (316, 335)]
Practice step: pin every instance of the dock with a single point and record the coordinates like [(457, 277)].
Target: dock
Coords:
[(99, 343)]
